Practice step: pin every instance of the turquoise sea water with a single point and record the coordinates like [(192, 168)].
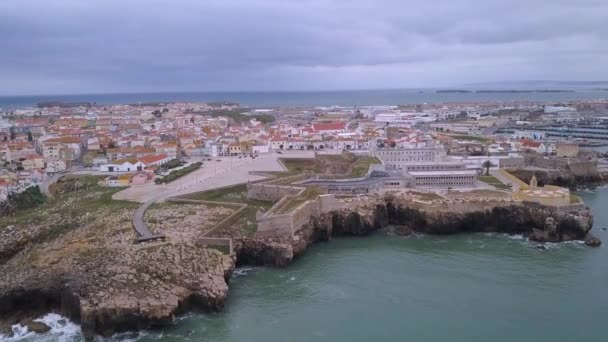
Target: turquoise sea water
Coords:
[(468, 287), (317, 98), (427, 288)]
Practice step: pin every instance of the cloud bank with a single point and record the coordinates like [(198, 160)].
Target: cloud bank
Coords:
[(75, 46)]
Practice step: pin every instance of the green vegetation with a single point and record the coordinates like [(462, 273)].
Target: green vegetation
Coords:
[(471, 137), (74, 183), (29, 198), (574, 199), (298, 165), (426, 196), (67, 211), (361, 166), (246, 224), (358, 166), (172, 164), (493, 181), (487, 165), (238, 115), (175, 174), (309, 193)]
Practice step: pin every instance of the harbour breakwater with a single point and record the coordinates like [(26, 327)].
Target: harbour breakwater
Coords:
[(169, 279)]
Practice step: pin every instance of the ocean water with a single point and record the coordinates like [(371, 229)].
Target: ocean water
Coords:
[(468, 287), (318, 98)]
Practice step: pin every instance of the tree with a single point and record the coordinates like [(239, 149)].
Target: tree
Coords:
[(487, 165), (12, 132), (5, 138), (281, 146), (30, 138)]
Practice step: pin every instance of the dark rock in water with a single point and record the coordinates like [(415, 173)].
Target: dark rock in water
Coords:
[(402, 230), (6, 330), (541, 247), (37, 327), (604, 228), (592, 241)]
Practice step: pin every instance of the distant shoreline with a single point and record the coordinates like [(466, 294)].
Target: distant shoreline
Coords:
[(462, 91)]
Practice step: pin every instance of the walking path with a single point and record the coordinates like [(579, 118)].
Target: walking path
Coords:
[(231, 171)]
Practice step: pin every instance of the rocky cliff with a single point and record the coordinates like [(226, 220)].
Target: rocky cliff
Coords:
[(568, 178), (110, 285), (118, 291), (539, 223)]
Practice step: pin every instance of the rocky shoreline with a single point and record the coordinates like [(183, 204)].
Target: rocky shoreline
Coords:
[(147, 287), (538, 223)]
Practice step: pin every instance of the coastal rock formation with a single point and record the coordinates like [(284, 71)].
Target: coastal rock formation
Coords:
[(95, 276), (539, 223), (573, 179), (120, 291), (542, 223)]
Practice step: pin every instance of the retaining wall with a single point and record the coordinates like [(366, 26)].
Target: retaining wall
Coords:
[(286, 225)]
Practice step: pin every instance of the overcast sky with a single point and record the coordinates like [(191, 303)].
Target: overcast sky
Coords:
[(90, 46)]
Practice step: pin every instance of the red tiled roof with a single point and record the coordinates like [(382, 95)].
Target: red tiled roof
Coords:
[(530, 143), (152, 158)]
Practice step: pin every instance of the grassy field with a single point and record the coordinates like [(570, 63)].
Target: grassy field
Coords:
[(425, 196), (471, 138), (308, 194), (246, 225), (234, 194), (361, 166), (493, 181), (298, 165), (68, 211)]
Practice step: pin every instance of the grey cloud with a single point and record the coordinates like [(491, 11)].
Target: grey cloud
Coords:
[(143, 45)]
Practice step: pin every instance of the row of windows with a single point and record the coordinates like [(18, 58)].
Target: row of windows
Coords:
[(404, 152), (434, 167), (435, 184), (427, 159), (471, 178)]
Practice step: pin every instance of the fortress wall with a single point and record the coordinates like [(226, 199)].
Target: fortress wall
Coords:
[(274, 226), (270, 225)]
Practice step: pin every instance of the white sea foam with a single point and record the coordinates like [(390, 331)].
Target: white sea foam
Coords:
[(243, 271), (62, 330), (518, 237)]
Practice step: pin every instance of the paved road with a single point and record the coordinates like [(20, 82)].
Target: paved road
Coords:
[(228, 171), (213, 174), (141, 228), (506, 180)]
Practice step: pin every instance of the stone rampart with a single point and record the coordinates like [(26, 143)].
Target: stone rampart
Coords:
[(272, 225)]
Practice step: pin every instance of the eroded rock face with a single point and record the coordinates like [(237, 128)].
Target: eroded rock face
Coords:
[(110, 285), (541, 223), (130, 290)]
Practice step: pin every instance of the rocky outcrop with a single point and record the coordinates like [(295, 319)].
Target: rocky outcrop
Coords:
[(539, 223), (114, 292), (573, 179), (112, 287)]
